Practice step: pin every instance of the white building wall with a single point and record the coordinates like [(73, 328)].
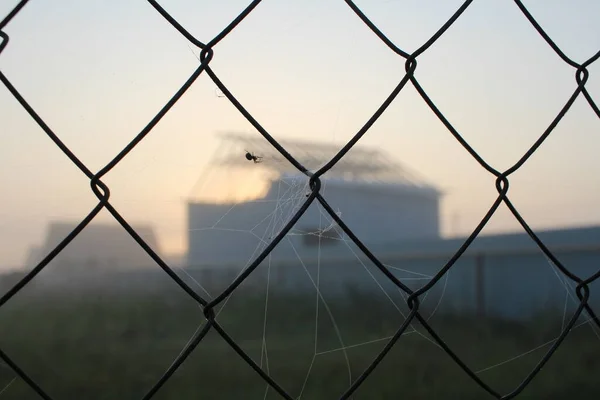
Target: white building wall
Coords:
[(236, 234)]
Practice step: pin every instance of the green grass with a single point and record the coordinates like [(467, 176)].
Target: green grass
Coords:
[(115, 346)]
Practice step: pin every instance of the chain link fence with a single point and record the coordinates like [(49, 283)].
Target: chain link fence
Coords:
[(207, 51)]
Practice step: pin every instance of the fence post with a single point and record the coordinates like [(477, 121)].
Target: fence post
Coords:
[(479, 285)]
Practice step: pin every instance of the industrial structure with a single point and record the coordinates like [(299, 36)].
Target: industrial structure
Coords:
[(396, 214), (99, 246), (393, 211), (379, 198), (103, 259)]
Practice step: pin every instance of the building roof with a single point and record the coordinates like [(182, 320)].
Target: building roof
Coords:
[(360, 164)]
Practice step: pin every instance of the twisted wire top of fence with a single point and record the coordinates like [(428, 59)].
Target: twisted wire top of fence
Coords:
[(409, 77)]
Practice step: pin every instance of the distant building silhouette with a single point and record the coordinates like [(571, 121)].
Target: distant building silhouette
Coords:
[(99, 245), (379, 198)]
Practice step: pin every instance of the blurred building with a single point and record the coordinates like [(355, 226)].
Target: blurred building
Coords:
[(98, 246), (379, 198), (395, 214)]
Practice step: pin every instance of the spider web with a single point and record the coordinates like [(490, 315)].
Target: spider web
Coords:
[(320, 273), (323, 271)]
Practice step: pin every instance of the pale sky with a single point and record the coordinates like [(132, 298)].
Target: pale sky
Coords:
[(98, 71)]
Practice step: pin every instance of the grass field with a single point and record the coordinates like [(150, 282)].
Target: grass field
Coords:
[(115, 345)]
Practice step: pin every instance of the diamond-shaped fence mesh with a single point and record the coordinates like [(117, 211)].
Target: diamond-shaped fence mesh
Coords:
[(413, 298)]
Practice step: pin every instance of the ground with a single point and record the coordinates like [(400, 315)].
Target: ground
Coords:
[(114, 345)]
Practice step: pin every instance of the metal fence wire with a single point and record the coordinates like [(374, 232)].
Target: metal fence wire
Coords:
[(207, 49)]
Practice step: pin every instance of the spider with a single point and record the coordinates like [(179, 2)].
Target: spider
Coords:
[(252, 157)]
